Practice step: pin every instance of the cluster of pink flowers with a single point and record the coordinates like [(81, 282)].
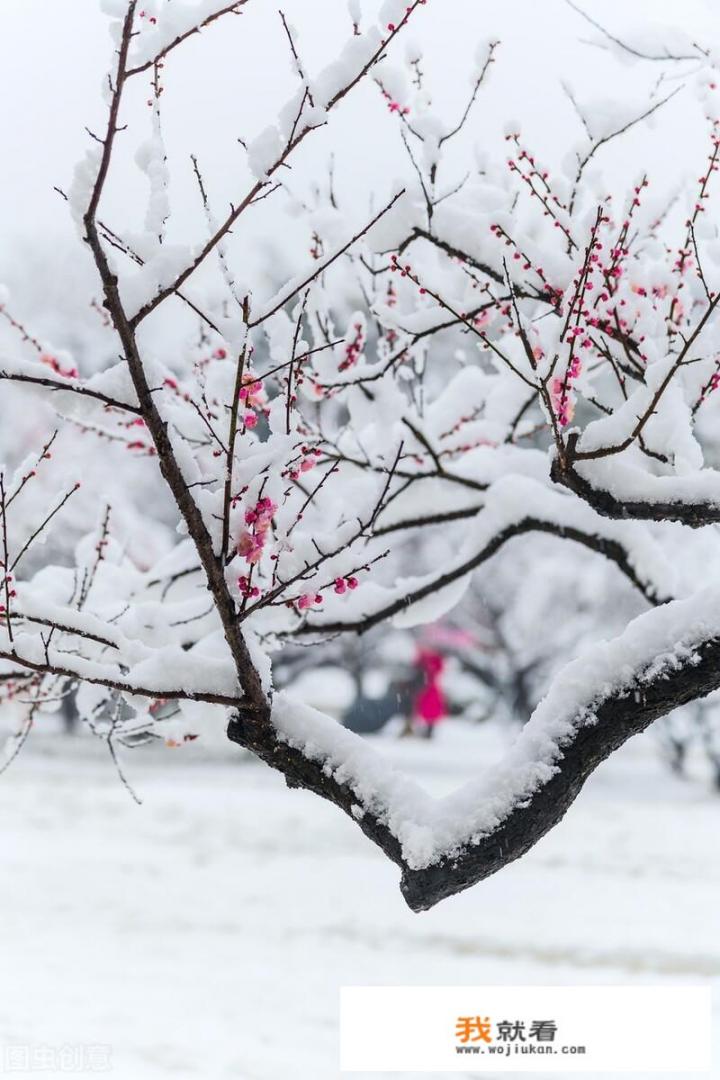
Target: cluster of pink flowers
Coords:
[(391, 299), (205, 361), (354, 347), (342, 584), (9, 591), (141, 447), (397, 267), (685, 260), (246, 589), (137, 443), (308, 460), (172, 384), (307, 600), (579, 332), (252, 395), (54, 363), (252, 540), (482, 319), (9, 690), (560, 393)]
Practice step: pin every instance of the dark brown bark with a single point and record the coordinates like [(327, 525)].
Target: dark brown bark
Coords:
[(618, 719), (692, 514), (251, 732)]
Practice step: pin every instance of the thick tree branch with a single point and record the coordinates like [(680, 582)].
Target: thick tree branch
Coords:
[(601, 723), (212, 564), (623, 714), (694, 513), (611, 549)]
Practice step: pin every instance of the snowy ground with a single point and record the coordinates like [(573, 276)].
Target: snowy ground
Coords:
[(206, 932)]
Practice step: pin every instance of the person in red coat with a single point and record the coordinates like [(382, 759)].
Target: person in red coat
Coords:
[(429, 707)]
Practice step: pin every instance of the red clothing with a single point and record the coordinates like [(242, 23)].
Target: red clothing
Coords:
[(429, 705)]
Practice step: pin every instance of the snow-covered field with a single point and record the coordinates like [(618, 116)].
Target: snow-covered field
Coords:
[(206, 933)]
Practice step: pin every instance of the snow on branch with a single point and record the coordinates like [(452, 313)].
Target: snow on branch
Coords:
[(513, 506), (665, 658)]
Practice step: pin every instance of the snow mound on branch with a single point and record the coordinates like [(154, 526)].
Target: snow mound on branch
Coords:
[(509, 502), (428, 829), (174, 20), (627, 481)]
